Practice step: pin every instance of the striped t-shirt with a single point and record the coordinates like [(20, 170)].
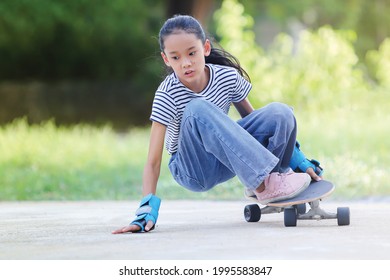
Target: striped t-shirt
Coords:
[(225, 86)]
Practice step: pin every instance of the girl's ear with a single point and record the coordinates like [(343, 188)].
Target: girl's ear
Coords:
[(207, 48), (165, 58)]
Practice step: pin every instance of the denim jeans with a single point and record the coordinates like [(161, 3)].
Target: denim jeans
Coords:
[(213, 148)]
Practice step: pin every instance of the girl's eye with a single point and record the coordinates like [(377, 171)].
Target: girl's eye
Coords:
[(175, 57), (192, 53)]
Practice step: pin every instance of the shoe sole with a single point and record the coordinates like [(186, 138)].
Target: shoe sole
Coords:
[(250, 196)]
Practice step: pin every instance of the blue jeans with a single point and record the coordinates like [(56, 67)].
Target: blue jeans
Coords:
[(213, 148)]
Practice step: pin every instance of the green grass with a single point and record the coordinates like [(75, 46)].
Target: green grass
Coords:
[(82, 162), (45, 162), (352, 143)]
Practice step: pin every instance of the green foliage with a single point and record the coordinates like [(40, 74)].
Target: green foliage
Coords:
[(79, 39), (321, 73), (235, 29), (318, 70), (368, 18), (379, 61)]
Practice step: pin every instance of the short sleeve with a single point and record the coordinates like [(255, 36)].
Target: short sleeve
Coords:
[(241, 90), (163, 108)]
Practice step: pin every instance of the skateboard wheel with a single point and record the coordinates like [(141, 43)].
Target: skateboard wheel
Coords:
[(252, 213), (290, 217), (301, 208), (343, 216)]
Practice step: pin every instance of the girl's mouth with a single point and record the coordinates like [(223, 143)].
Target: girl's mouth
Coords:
[(188, 73)]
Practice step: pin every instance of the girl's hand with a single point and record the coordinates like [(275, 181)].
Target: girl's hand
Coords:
[(146, 215), (133, 228), (313, 175)]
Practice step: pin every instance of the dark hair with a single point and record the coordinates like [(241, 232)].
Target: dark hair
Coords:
[(190, 25)]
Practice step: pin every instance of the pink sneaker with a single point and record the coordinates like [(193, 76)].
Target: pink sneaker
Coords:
[(279, 186)]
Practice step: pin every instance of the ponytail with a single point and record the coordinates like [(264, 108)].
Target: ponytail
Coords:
[(221, 57)]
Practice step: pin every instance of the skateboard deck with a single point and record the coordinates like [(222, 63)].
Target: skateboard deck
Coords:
[(315, 191)]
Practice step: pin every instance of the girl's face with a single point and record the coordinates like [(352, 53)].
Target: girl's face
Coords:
[(185, 53)]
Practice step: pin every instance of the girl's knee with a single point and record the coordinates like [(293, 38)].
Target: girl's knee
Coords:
[(281, 111), (196, 105), (278, 108), (280, 114)]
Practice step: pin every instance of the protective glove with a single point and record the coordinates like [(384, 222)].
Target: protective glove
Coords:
[(147, 211), (299, 163)]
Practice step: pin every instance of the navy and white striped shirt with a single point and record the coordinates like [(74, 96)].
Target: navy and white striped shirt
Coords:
[(225, 86)]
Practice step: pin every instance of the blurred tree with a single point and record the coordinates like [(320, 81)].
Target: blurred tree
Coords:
[(372, 25), (368, 18), (200, 9), (378, 62), (76, 39), (320, 71), (94, 61)]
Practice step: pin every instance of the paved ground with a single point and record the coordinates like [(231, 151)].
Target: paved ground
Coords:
[(188, 230)]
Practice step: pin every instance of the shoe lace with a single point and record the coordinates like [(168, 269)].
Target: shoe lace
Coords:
[(283, 176)]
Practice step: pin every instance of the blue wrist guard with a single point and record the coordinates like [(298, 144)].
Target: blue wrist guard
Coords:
[(299, 163), (147, 211)]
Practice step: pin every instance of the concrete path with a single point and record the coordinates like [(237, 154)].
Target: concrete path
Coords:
[(187, 230)]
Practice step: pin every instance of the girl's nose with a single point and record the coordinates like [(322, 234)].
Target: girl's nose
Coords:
[(186, 62)]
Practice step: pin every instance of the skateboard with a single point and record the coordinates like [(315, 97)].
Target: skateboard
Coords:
[(295, 208)]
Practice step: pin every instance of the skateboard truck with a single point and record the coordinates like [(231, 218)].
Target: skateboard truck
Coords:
[(291, 215)]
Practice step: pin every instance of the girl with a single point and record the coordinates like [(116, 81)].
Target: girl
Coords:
[(189, 114)]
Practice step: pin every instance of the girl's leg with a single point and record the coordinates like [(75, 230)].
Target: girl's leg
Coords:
[(213, 148), (274, 126)]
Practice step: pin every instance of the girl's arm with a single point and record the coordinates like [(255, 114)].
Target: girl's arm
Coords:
[(244, 107), (153, 163), (151, 170)]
